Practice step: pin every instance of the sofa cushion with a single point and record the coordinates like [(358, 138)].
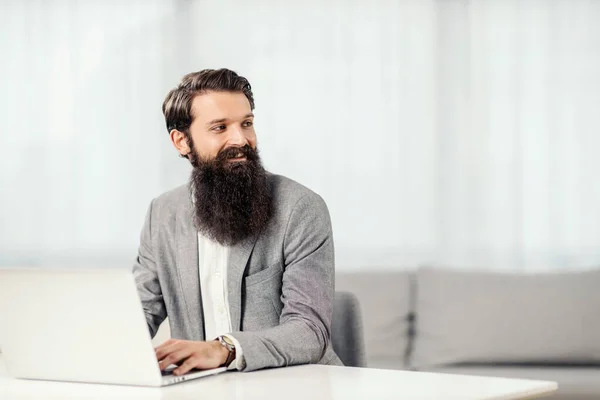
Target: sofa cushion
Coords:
[(574, 382), (385, 304), (467, 316), (387, 363)]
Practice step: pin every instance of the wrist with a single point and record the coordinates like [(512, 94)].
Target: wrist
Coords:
[(227, 350), (221, 351)]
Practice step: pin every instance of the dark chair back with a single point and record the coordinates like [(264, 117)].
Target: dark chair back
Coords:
[(347, 330)]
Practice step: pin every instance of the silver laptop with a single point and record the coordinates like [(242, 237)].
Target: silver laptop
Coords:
[(78, 325)]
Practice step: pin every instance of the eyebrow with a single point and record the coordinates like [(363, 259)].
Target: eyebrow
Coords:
[(221, 120)]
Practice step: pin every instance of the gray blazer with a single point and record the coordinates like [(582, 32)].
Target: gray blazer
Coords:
[(280, 284)]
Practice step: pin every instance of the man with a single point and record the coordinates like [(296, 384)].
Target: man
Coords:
[(240, 260)]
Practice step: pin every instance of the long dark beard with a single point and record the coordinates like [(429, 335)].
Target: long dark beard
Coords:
[(232, 200)]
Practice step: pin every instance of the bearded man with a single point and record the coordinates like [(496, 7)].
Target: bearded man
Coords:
[(241, 260)]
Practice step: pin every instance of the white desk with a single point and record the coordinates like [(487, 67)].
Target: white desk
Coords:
[(302, 382)]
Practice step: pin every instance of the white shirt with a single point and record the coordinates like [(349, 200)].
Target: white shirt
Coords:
[(212, 270)]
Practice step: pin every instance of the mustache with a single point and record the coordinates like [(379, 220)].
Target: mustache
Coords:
[(235, 152)]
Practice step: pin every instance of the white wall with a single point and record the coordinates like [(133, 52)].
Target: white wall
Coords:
[(461, 132), (83, 146)]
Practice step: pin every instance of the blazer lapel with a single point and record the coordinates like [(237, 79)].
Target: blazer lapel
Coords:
[(187, 267), (238, 259)]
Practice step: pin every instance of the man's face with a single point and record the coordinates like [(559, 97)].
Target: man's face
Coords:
[(232, 197), (221, 120)]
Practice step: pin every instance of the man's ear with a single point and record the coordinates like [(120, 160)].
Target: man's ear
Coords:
[(180, 142)]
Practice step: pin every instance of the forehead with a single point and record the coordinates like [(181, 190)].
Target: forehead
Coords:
[(216, 105)]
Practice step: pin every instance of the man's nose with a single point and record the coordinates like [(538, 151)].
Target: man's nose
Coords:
[(237, 137)]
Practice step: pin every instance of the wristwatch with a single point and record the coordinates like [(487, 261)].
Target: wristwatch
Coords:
[(228, 344)]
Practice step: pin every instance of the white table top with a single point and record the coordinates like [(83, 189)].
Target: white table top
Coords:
[(300, 382)]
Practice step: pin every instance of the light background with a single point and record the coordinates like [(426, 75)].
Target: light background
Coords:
[(463, 133)]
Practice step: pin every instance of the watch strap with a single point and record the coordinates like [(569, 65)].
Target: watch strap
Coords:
[(226, 342)]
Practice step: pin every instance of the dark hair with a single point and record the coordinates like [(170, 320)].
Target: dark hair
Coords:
[(177, 107)]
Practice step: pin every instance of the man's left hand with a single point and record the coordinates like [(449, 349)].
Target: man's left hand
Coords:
[(190, 354)]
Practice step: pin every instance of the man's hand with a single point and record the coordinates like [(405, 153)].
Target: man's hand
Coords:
[(189, 354)]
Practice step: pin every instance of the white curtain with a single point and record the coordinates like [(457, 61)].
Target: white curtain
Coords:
[(83, 146), (451, 132), (518, 132)]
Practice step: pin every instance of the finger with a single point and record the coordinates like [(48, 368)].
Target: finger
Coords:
[(174, 358), (168, 349), (164, 344), (187, 366)]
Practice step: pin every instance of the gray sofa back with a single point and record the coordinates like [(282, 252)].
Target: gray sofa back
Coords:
[(386, 304), (441, 316)]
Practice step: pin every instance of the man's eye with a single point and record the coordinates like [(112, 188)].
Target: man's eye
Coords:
[(247, 124), (218, 128)]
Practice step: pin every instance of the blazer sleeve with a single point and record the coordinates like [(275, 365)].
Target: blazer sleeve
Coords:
[(146, 278), (304, 329)]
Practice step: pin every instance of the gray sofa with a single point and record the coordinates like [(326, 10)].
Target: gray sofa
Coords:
[(531, 326)]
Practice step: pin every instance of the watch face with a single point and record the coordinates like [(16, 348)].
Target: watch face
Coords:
[(227, 340)]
